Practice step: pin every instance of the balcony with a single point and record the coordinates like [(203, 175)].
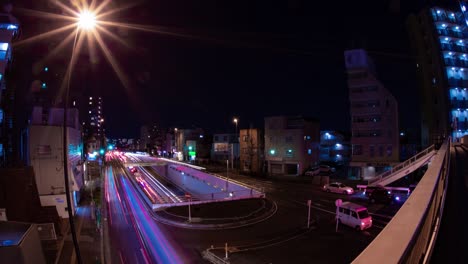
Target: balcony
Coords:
[(451, 33), (450, 46), (457, 82), (450, 61), (462, 104)]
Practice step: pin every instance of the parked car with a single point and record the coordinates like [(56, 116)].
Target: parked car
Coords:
[(326, 169), (370, 189), (338, 187), (381, 196), (313, 171)]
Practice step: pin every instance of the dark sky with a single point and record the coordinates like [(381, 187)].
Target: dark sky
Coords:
[(248, 59)]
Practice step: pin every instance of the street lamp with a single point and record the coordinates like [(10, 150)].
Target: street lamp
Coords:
[(236, 121), (175, 143), (85, 21)]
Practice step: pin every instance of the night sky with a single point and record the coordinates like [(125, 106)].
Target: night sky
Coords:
[(245, 58)]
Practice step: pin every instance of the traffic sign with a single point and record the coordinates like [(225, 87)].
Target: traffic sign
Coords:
[(338, 202)]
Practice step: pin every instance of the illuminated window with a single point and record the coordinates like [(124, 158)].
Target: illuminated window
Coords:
[(3, 50)]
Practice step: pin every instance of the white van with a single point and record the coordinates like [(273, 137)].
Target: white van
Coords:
[(354, 215)]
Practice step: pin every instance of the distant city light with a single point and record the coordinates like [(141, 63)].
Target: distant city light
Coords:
[(46, 69), (272, 152), (402, 134)]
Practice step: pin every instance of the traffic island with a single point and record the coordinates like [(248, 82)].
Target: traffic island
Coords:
[(218, 215)]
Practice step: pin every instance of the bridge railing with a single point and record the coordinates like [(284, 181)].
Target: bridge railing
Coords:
[(409, 237), (403, 165)]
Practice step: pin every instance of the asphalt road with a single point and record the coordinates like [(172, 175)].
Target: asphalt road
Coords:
[(282, 238)]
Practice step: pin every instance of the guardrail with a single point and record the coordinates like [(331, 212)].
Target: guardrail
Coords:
[(403, 165), (406, 189), (211, 257), (409, 237)]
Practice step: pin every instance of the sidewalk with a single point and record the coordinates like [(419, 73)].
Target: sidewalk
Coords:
[(88, 236)]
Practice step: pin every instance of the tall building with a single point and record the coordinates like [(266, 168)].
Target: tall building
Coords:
[(9, 31), (93, 124), (292, 144), (439, 40), (374, 118)]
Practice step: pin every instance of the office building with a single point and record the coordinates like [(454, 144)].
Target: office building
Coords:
[(93, 124), (9, 31), (374, 118), (292, 144), (438, 38)]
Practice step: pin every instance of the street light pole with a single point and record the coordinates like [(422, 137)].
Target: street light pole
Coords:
[(65, 154), (235, 120), (86, 21)]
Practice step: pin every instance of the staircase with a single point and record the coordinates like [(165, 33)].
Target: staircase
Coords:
[(401, 170)]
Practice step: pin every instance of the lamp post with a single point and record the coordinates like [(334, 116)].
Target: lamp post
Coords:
[(175, 144), (86, 21), (235, 120)]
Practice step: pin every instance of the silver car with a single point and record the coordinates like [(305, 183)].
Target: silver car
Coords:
[(338, 187)]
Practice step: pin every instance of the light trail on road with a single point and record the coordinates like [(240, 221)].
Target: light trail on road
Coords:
[(161, 247)]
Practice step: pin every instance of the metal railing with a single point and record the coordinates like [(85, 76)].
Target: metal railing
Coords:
[(213, 258), (398, 168), (409, 237)]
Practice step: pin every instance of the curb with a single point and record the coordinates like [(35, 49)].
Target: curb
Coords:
[(231, 225)]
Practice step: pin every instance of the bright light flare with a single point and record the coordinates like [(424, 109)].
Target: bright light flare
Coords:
[(86, 20)]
